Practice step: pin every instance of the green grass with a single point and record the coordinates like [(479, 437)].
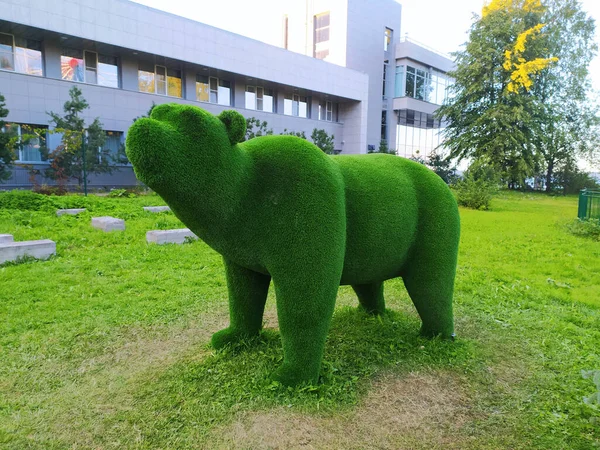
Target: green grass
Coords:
[(106, 344)]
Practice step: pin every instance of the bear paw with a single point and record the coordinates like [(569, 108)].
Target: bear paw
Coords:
[(294, 376), (229, 336)]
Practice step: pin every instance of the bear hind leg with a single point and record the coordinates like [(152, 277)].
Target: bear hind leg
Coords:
[(370, 297), (431, 290)]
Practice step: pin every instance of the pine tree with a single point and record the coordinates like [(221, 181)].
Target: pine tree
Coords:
[(7, 156), (67, 160)]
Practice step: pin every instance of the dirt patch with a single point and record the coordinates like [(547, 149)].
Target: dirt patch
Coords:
[(88, 401), (413, 411)]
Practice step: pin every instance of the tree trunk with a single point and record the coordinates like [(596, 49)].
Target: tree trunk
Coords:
[(549, 173)]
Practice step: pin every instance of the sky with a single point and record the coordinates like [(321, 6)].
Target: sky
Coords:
[(440, 24)]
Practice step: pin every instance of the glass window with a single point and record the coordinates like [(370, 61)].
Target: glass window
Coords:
[(268, 100), (161, 80), (7, 57), (174, 85), (302, 106), (327, 110), (113, 143), (250, 97), (108, 71), (202, 91), (387, 39), (28, 56), (321, 35), (146, 78), (214, 89), (30, 143), (224, 93), (399, 82), (91, 67), (71, 65), (287, 105), (260, 98)]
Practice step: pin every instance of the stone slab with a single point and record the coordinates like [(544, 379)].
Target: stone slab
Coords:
[(41, 249), (156, 209), (169, 236), (6, 238), (70, 212), (108, 223)]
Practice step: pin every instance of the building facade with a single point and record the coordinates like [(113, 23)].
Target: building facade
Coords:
[(341, 75)]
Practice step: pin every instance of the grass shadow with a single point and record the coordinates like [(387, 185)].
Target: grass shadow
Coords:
[(204, 392)]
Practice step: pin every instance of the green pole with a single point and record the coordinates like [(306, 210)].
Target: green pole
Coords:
[(84, 163)]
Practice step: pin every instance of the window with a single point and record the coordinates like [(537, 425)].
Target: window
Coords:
[(387, 39), (286, 25), (260, 98), (399, 82), (385, 65), (213, 90), (384, 125), (428, 85), (108, 71), (31, 142), (417, 133), (113, 146), (159, 80), (89, 67), (20, 55), (295, 105), (328, 111), (418, 83), (321, 36)]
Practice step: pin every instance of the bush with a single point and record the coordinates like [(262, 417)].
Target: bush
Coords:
[(122, 193), (589, 228), (474, 193), (25, 200)]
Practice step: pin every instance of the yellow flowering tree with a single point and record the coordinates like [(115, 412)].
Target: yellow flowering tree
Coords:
[(494, 111)]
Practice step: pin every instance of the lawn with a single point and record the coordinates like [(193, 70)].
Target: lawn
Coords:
[(106, 345)]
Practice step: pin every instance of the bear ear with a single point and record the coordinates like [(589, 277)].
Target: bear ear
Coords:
[(235, 125)]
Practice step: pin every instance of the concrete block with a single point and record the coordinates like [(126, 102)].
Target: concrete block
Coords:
[(156, 209), (169, 236), (70, 212), (6, 238), (107, 223), (42, 249)]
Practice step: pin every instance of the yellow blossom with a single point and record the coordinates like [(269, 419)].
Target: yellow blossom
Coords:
[(508, 5), (522, 74)]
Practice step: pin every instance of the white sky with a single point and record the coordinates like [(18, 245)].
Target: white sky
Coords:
[(440, 24)]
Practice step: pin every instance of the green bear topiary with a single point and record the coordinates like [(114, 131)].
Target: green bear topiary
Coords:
[(276, 207)]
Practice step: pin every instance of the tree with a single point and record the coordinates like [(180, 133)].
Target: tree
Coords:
[(491, 108), (567, 125), (443, 167), (323, 140), (299, 134), (383, 147), (7, 156), (67, 159), (255, 128)]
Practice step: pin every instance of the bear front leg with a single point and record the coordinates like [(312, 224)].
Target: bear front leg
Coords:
[(247, 296), (305, 304)]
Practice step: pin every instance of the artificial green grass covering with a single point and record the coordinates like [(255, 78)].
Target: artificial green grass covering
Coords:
[(276, 207)]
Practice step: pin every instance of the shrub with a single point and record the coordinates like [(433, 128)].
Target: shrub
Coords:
[(589, 228), (25, 200), (474, 193), (122, 193), (323, 140)]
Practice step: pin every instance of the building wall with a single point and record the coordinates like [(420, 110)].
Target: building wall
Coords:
[(141, 32), (367, 20)]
